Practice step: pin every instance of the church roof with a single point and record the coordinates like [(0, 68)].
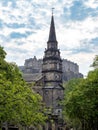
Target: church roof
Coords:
[(32, 77), (52, 33)]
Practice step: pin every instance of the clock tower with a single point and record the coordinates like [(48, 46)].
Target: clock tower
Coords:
[(52, 73)]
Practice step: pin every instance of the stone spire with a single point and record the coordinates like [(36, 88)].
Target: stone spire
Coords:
[(52, 34)]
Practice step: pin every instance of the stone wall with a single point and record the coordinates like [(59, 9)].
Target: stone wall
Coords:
[(70, 66)]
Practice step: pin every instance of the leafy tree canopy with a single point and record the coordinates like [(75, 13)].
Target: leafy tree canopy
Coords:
[(81, 102), (18, 103)]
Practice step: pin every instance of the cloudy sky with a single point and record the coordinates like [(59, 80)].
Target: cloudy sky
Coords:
[(24, 29)]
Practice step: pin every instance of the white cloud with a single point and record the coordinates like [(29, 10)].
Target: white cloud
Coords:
[(74, 34), (35, 14), (91, 3)]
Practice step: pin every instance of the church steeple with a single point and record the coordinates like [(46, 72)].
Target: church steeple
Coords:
[(52, 34), (52, 72)]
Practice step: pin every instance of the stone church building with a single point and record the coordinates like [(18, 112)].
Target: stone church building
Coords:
[(49, 74)]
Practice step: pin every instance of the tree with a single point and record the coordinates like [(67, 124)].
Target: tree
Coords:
[(19, 104), (2, 53), (70, 103), (81, 102), (95, 62)]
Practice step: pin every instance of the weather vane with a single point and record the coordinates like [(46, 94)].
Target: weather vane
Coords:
[(52, 10)]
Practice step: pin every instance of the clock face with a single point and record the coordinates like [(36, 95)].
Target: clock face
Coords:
[(56, 76)]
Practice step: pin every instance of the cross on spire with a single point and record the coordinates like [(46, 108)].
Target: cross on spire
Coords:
[(52, 10)]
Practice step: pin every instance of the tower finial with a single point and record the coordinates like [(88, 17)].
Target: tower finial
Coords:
[(52, 10)]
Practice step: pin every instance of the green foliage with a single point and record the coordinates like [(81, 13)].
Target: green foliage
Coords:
[(95, 62), (81, 102), (18, 103), (2, 53)]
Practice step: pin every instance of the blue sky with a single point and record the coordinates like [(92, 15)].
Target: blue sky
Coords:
[(24, 29)]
